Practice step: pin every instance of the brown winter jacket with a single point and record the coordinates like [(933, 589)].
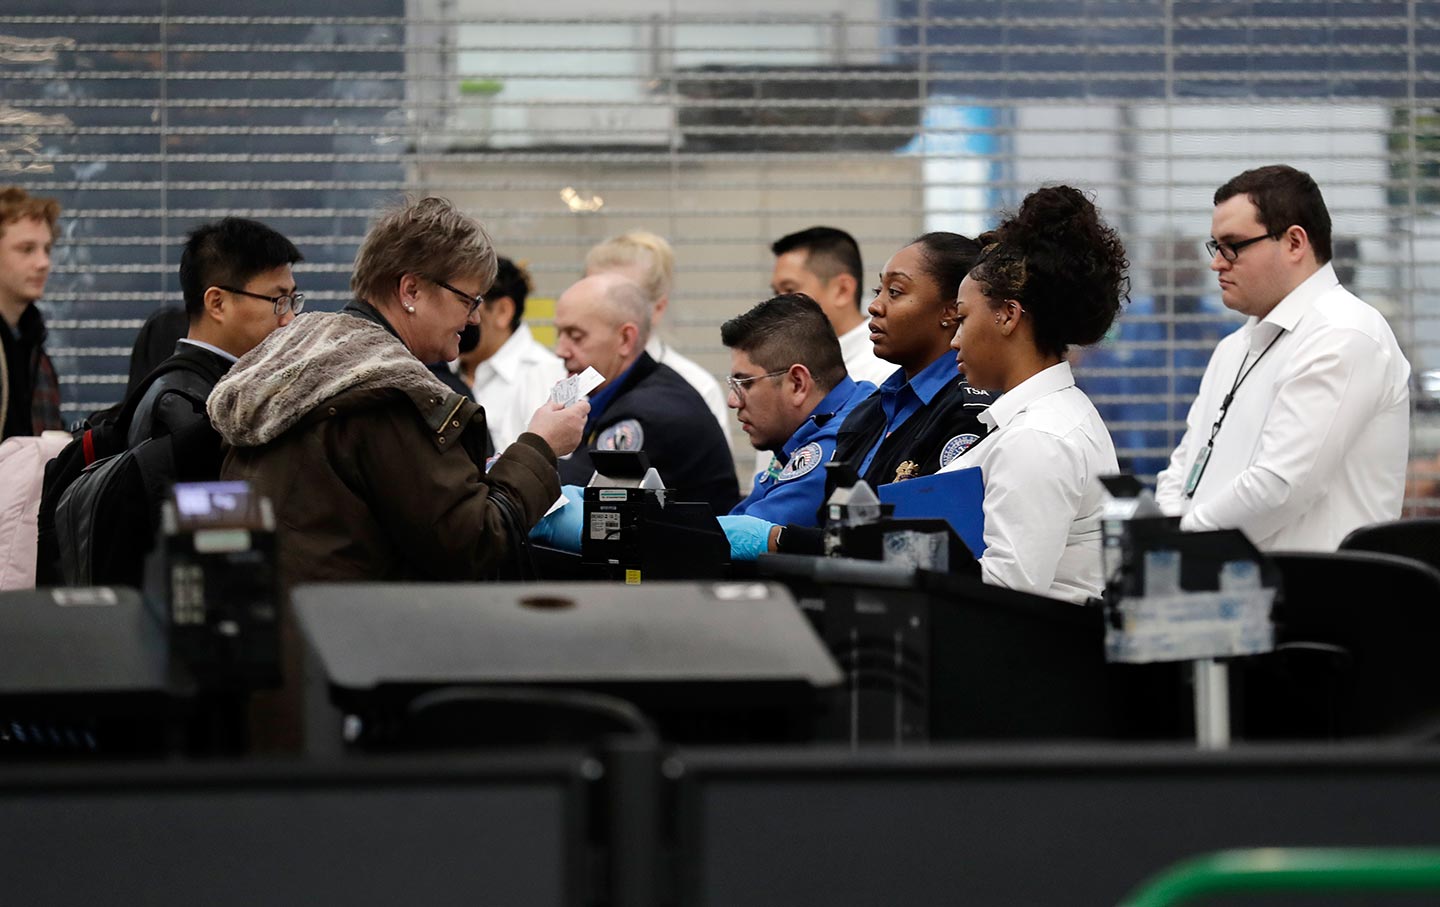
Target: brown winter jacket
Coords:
[(370, 462), (364, 456)]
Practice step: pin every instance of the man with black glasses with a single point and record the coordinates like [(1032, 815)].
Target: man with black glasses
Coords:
[(1301, 427), (238, 287)]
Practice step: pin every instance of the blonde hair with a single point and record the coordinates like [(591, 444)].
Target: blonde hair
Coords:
[(431, 238), (638, 247), (627, 303), (17, 204)]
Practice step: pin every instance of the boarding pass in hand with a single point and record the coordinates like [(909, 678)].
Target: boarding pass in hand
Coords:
[(567, 390)]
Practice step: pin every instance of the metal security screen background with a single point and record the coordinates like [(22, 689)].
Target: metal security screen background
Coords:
[(723, 125)]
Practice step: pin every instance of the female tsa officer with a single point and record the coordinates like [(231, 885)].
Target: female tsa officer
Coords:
[(1050, 276), (922, 416)]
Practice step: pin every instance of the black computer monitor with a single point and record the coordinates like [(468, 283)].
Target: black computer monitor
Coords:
[(705, 661)]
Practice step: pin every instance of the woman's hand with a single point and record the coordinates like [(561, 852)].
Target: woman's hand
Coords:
[(561, 428)]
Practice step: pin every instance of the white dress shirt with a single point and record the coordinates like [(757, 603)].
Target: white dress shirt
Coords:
[(1316, 438), (696, 376), (513, 383), (859, 355), (212, 348), (1042, 463)]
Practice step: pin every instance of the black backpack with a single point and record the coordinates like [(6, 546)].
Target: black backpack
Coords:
[(100, 500)]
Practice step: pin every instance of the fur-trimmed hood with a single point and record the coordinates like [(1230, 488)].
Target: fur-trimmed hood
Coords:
[(315, 358)]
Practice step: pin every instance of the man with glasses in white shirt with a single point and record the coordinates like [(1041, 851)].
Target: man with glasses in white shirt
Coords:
[(1300, 431)]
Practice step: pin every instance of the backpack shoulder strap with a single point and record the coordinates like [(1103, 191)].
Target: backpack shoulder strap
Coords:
[(182, 360)]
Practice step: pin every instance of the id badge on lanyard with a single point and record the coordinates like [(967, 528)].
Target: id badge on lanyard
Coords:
[(1198, 470)]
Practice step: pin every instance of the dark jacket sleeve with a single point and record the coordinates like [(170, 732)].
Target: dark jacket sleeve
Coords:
[(690, 452), (439, 506)]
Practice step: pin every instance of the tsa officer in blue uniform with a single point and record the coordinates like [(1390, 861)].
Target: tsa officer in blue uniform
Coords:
[(603, 321), (790, 390), (922, 417)]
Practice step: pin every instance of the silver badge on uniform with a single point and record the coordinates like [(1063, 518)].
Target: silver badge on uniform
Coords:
[(623, 435), (955, 447), (802, 461)]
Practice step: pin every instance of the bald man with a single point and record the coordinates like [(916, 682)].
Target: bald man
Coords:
[(603, 321)]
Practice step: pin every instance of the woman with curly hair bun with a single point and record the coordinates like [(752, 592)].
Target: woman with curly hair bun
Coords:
[(1051, 276)]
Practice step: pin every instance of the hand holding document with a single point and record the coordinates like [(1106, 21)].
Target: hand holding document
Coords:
[(567, 390)]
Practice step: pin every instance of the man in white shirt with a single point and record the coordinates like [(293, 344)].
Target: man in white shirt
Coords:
[(510, 373), (1301, 428), (824, 264), (648, 261)]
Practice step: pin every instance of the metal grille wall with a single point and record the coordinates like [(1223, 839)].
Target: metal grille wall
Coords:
[(723, 125)]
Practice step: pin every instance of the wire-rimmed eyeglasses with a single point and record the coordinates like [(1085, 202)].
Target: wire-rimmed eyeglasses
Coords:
[(737, 385)]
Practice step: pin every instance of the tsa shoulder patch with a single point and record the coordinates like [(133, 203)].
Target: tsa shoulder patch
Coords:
[(955, 447), (802, 461), (623, 435)]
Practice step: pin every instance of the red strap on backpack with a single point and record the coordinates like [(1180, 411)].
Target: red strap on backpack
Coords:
[(87, 443)]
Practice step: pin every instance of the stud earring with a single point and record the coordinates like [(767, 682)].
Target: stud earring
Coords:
[(410, 309), (944, 322)]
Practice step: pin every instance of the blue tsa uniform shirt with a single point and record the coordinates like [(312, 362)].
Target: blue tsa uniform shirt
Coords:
[(792, 490)]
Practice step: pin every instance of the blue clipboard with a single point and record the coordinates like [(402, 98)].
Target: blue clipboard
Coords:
[(957, 497)]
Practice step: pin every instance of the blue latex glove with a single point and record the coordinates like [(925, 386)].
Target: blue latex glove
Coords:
[(562, 529), (749, 536)]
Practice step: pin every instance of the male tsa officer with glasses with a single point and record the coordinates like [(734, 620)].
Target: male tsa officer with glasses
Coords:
[(1301, 428), (789, 387)]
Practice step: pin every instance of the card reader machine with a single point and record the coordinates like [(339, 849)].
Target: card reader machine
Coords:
[(214, 573), (859, 525), (636, 529)]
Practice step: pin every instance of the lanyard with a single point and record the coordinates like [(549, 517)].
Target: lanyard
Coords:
[(1198, 470)]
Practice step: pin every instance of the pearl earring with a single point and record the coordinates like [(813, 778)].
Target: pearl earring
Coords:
[(410, 309)]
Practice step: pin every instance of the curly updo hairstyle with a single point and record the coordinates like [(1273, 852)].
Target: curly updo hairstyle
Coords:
[(1062, 263)]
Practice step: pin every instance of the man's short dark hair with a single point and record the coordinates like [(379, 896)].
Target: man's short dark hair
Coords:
[(1284, 197), (512, 281), (786, 330), (829, 252), (229, 252)]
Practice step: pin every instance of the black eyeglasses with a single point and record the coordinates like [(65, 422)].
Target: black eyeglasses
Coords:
[(285, 302), (1231, 250), (474, 302)]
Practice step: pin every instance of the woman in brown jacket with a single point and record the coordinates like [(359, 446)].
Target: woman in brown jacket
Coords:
[(375, 469)]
